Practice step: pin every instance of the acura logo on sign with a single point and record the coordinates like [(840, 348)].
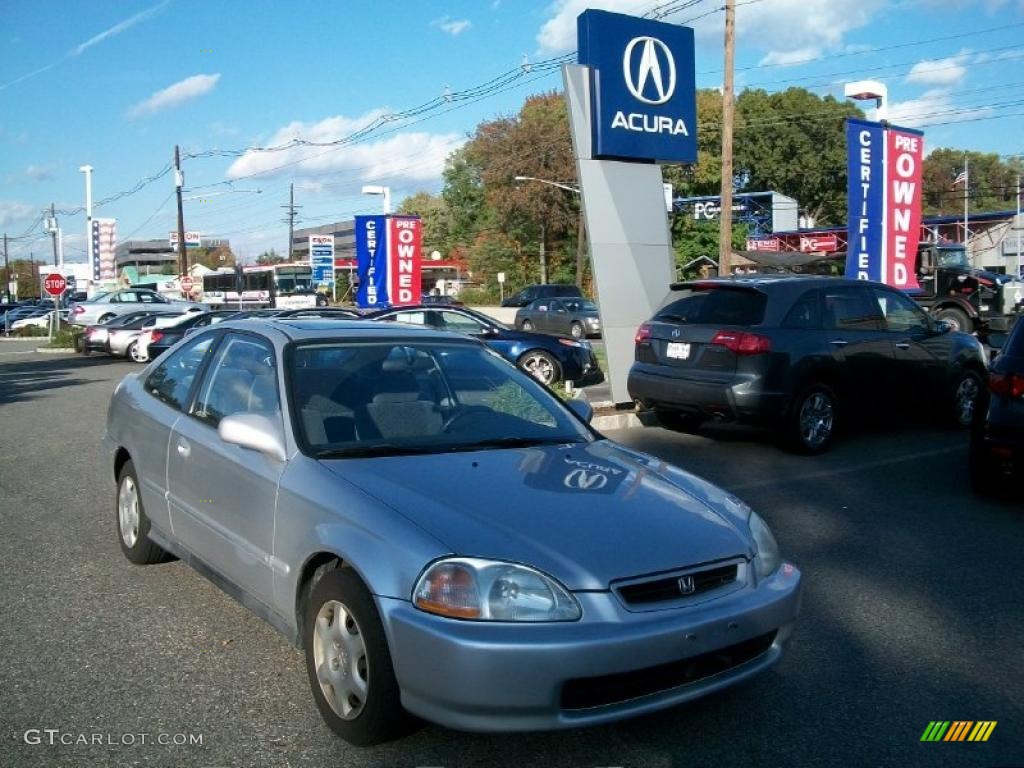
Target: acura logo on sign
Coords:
[(687, 586), (646, 71), (581, 480)]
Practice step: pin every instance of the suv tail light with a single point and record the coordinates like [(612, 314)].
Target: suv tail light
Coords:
[(643, 333), (1006, 384), (79, 309), (743, 343)]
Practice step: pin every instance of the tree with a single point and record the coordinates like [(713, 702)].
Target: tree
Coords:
[(436, 216), (993, 183), (213, 258), (270, 257)]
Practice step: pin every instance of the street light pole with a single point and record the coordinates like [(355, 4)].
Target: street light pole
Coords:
[(87, 170), (728, 104), (385, 192)]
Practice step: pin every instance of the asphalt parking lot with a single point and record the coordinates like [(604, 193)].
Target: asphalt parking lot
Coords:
[(913, 612)]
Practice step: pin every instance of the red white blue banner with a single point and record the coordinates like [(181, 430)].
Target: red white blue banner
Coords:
[(884, 202), (405, 254)]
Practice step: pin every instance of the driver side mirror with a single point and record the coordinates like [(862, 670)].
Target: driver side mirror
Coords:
[(581, 408), (254, 431)]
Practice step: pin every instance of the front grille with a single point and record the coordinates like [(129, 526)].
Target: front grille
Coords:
[(589, 692), (668, 588)]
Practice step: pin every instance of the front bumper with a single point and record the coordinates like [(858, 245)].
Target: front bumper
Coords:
[(733, 400), (478, 676)]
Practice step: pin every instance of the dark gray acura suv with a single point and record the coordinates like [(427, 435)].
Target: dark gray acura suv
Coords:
[(798, 354)]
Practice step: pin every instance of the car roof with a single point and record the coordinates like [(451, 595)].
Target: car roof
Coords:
[(304, 329), (766, 280)]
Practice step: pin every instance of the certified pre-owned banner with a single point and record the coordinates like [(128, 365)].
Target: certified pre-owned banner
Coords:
[(405, 235), (884, 198), (371, 260)]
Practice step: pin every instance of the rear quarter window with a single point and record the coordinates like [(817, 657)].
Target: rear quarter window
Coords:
[(714, 306)]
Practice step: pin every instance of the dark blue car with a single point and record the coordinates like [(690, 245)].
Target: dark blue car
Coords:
[(547, 358)]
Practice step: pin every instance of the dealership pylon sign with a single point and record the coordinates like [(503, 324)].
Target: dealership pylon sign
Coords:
[(884, 199)]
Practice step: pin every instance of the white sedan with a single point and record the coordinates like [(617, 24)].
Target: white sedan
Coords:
[(36, 321)]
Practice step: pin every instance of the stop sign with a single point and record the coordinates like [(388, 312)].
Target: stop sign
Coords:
[(55, 284), (187, 283)]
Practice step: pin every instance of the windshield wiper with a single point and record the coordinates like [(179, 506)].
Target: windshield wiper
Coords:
[(377, 449), (512, 442)]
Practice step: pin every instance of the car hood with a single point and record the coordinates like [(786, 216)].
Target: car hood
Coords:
[(584, 513)]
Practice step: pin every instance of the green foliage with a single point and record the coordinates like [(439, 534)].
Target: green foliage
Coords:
[(436, 216), (270, 257), (993, 182), (67, 338), (693, 238), (213, 258)]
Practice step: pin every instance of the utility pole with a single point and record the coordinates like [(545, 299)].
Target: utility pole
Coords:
[(291, 220), (179, 182), (53, 231), (725, 217), (6, 269), (1020, 262)]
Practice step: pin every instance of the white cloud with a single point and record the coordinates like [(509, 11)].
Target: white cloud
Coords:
[(947, 71), (934, 106), (402, 158), (453, 27), (173, 95), (79, 49), (802, 24), (12, 212), (789, 58), (39, 172)]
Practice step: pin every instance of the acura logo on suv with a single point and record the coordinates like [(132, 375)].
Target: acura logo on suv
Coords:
[(687, 586), (654, 67)]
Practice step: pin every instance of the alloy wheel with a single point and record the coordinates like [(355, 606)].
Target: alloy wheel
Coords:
[(817, 415), (965, 399), (128, 511), (339, 656), (540, 367)]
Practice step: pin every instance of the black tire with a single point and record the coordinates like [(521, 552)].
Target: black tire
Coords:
[(676, 421), (103, 318), (526, 326), (966, 397), (379, 716), (541, 365), (576, 330), (134, 539), (811, 419), (956, 318)]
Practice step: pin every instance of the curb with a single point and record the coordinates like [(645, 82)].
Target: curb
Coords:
[(616, 421), (56, 350)]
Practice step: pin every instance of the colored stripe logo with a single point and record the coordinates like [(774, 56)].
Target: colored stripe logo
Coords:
[(958, 730)]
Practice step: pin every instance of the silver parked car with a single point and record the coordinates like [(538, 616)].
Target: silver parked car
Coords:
[(568, 316), (105, 306), (441, 535)]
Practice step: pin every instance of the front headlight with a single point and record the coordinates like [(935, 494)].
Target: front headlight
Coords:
[(768, 558), (573, 343), (489, 590)]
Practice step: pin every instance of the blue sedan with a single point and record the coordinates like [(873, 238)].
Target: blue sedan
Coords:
[(441, 535), (548, 359)]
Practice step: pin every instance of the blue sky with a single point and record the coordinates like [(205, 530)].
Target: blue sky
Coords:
[(117, 85)]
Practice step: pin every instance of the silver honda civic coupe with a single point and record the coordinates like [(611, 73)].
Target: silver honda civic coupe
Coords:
[(441, 535)]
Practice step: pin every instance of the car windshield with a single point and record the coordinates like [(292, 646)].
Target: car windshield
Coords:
[(96, 297), (713, 305), (953, 257), (352, 399)]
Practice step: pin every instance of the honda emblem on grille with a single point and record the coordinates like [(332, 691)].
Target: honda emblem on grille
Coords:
[(687, 585), (675, 333)]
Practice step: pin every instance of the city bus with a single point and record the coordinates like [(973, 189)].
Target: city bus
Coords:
[(278, 286)]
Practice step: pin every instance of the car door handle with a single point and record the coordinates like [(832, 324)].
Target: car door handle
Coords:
[(902, 345), (184, 449), (839, 342)]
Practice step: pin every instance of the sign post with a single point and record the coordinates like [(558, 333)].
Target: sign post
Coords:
[(501, 284), (321, 259), (55, 285)]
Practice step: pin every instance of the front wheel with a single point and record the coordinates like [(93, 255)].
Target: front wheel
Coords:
[(812, 419), (349, 663), (132, 523), (966, 395), (542, 366), (957, 319)]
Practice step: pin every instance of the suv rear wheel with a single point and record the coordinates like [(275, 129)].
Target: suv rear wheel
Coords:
[(811, 422)]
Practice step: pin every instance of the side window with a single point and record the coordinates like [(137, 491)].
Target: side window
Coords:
[(556, 306), (805, 313), (127, 297), (416, 318), (901, 313), (242, 378), (149, 298), (172, 380), (454, 321), (851, 309)]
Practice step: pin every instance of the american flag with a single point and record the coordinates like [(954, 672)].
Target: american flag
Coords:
[(961, 178)]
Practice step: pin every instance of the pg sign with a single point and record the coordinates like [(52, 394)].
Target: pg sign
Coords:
[(643, 87)]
